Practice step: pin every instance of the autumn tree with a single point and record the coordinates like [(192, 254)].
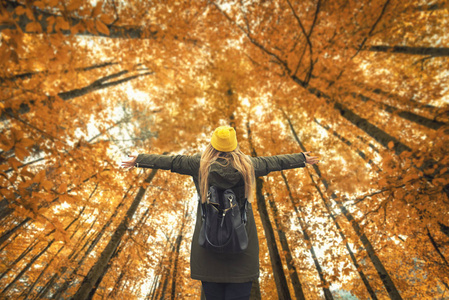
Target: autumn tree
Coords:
[(361, 83)]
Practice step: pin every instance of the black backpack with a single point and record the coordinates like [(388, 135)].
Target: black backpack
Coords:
[(223, 228)]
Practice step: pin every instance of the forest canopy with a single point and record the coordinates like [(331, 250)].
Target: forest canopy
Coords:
[(361, 84)]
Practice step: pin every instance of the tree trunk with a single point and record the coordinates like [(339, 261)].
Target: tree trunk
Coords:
[(179, 238), (27, 267), (28, 75), (276, 262), (342, 235), (76, 251), (71, 278), (94, 86), (407, 115), (432, 51), (347, 142), (98, 282), (435, 246), (97, 270), (30, 289), (378, 134), (166, 275), (5, 236), (19, 258), (127, 32), (275, 258), (326, 290), (362, 155), (296, 283), (381, 271)]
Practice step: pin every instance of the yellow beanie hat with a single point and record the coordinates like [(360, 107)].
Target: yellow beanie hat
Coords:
[(224, 139)]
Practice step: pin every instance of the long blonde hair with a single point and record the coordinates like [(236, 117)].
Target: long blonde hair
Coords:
[(239, 161)]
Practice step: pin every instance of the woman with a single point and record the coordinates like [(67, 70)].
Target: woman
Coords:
[(222, 164)]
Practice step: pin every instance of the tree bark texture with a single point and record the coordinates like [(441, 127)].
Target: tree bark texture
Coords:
[(381, 271), (296, 283), (432, 51), (127, 32), (324, 282), (95, 272)]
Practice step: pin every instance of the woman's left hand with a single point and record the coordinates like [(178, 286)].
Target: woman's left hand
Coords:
[(129, 164), (310, 159)]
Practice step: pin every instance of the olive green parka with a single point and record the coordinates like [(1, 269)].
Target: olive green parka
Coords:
[(204, 264)]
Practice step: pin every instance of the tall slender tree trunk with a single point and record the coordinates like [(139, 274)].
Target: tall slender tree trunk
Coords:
[(357, 266), (126, 32), (381, 271), (275, 258), (30, 288), (347, 142), (19, 258), (432, 51), (5, 236), (296, 283), (302, 224), (97, 270), (72, 257), (166, 276), (178, 241), (378, 134), (71, 278), (436, 247), (24, 270), (99, 84), (443, 228), (98, 282), (407, 115)]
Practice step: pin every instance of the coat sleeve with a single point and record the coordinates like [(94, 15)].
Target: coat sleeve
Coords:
[(182, 164), (266, 164)]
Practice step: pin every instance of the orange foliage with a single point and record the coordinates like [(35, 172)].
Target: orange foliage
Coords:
[(362, 84)]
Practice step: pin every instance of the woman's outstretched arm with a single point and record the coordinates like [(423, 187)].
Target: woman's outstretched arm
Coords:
[(182, 164), (266, 164)]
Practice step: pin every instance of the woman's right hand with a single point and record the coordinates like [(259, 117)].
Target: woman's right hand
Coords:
[(129, 164)]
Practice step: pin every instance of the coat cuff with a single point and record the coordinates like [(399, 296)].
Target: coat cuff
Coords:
[(154, 161)]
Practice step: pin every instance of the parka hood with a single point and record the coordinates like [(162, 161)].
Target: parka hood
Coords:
[(223, 175)]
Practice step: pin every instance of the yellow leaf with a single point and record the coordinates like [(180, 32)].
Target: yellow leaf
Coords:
[(39, 4), (74, 5), (14, 163), (33, 27), (97, 10), (62, 188), (47, 185), (101, 27), (26, 142), (5, 144), (61, 23), (21, 153), (20, 10), (390, 145), (77, 28), (107, 19)]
